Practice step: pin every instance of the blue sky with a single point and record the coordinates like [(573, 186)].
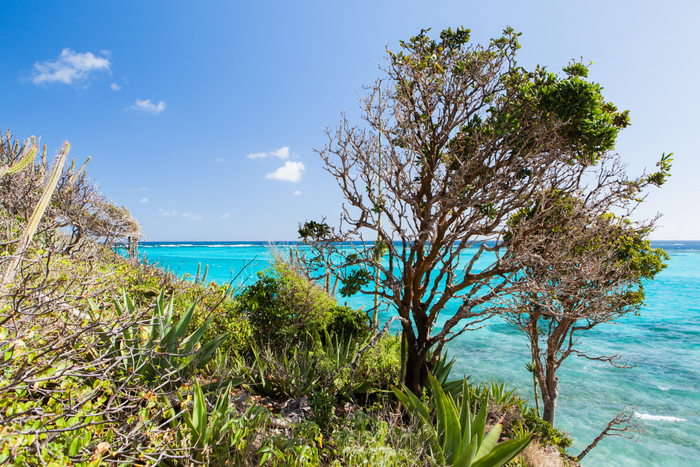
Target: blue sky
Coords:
[(202, 117)]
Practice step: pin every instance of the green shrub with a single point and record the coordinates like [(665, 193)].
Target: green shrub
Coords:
[(379, 367), (347, 321), (284, 307), (546, 433)]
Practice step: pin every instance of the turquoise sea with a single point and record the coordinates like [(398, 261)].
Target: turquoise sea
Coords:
[(664, 388)]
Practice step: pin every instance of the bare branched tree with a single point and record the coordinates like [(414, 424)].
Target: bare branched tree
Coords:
[(76, 205), (461, 139), (583, 266), (626, 424)]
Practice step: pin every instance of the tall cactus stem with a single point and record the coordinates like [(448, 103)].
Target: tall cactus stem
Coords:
[(33, 222)]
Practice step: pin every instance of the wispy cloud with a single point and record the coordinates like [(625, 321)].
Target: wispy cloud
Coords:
[(282, 153), (257, 155), (115, 87), (144, 200), (147, 106), (220, 159), (225, 216), (143, 188), (70, 67), (298, 193), (165, 212), (192, 216), (290, 171)]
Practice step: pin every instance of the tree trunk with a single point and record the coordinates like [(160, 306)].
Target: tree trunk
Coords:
[(416, 370), (549, 400)]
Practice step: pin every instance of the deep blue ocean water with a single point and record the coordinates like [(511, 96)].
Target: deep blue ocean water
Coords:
[(664, 388)]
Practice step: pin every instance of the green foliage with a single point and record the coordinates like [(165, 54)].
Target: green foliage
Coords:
[(168, 352), (348, 322), (354, 281), (314, 230), (664, 165), (300, 449), (219, 436), (379, 366), (545, 432), (367, 440), (441, 371), (282, 372), (456, 436), (284, 307), (322, 405)]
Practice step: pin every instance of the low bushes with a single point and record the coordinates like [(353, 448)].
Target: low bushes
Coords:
[(283, 306)]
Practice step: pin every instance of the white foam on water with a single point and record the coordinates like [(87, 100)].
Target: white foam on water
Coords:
[(226, 246), (661, 418), (168, 246), (663, 388)]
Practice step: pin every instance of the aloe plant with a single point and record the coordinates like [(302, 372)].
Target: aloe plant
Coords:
[(167, 350), (456, 436)]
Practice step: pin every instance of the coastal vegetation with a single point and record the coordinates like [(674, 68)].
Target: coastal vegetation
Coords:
[(107, 359)]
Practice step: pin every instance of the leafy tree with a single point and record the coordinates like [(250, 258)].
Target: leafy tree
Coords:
[(469, 139), (584, 268)]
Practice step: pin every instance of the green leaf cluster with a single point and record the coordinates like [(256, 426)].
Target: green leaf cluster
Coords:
[(456, 436)]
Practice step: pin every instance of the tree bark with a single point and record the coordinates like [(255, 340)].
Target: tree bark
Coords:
[(549, 400), (416, 370)]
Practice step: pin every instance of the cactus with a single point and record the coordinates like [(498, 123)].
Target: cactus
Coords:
[(28, 155), (38, 213)]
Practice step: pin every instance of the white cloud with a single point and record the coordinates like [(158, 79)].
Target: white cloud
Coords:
[(144, 200), (225, 216), (192, 216), (257, 155), (298, 193), (290, 171), (147, 106), (70, 67), (282, 153), (220, 159), (115, 87), (165, 212)]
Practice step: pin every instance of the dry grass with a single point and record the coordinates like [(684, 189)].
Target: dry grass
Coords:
[(538, 456)]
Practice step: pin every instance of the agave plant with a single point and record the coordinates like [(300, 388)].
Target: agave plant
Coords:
[(456, 436), (441, 371), (501, 396), (220, 434), (167, 351)]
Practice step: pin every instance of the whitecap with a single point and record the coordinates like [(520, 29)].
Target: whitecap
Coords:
[(663, 388), (661, 418), (229, 246)]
